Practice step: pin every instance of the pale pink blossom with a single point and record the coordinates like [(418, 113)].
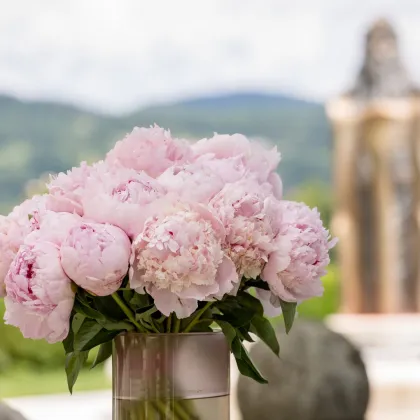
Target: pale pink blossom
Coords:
[(202, 180), (14, 228), (270, 302), (152, 150), (179, 260), (192, 182), (259, 160), (295, 275), (96, 256), (277, 185), (122, 197), (27, 217), (66, 189), (54, 227), (251, 217), (7, 252), (39, 297), (230, 169)]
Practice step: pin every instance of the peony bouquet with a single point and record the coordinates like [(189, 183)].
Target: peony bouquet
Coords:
[(161, 236)]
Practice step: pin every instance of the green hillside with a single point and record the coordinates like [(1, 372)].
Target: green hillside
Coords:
[(37, 137)]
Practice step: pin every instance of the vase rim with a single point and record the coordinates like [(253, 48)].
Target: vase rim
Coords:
[(188, 334)]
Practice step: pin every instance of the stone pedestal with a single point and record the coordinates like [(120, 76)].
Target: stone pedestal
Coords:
[(390, 348)]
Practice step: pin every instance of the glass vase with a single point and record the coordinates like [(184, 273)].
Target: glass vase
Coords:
[(171, 377)]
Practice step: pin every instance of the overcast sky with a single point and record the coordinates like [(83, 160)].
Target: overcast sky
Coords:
[(116, 55)]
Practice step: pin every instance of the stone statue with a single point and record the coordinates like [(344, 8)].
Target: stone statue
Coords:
[(382, 74), (375, 128), (319, 376)]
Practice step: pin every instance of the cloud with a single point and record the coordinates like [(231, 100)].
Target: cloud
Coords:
[(114, 55)]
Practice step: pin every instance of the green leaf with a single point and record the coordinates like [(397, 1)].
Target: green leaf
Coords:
[(74, 363), (83, 297), (109, 308), (88, 311), (102, 337), (87, 331), (68, 341), (237, 317), (228, 304), (120, 326), (237, 348), (204, 325), (289, 314), (244, 334), (263, 329), (139, 301), (128, 295), (92, 334), (247, 367), (104, 353), (77, 322), (228, 331), (258, 283), (250, 303)]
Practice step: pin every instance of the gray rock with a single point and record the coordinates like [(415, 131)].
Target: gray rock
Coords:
[(7, 413), (320, 376)]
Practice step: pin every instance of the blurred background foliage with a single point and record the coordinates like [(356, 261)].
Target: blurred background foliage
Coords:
[(38, 138)]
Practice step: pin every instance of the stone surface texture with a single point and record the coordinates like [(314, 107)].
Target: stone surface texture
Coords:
[(319, 376)]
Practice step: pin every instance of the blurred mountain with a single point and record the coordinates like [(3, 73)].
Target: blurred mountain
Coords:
[(41, 137)]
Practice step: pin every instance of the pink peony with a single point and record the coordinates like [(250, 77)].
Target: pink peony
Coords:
[(7, 252), (230, 169), (66, 189), (295, 275), (54, 227), (14, 228), (96, 257), (277, 184), (28, 217), (200, 181), (123, 197), (256, 158), (152, 150), (39, 297), (251, 217), (191, 182), (179, 260), (270, 303)]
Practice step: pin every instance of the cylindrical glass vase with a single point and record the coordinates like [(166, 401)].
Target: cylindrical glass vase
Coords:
[(171, 377)]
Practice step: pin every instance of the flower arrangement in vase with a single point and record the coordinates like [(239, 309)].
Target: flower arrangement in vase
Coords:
[(161, 237)]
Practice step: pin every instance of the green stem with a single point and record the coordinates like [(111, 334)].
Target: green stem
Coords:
[(169, 323), (127, 311), (177, 325), (175, 411), (153, 326), (199, 314)]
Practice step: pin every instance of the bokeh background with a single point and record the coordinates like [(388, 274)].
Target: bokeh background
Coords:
[(75, 76)]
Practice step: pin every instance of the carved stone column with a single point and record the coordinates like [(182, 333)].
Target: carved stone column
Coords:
[(376, 175), (345, 224)]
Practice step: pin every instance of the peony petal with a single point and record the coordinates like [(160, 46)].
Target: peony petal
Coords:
[(167, 302), (270, 303), (227, 278)]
